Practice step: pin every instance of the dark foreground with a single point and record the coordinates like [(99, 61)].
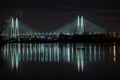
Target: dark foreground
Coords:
[(61, 71)]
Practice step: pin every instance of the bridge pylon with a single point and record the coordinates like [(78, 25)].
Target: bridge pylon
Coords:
[(80, 25), (14, 28)]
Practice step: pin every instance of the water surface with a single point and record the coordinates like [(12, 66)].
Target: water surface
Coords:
[(68, 60)]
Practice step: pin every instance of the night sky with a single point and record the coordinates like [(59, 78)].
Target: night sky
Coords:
[(48, 15)]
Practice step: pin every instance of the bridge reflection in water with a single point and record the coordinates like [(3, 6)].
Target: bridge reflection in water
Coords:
[(78, 54)]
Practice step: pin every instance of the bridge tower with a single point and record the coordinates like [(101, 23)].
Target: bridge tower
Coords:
[(14, 28), (80, 25)]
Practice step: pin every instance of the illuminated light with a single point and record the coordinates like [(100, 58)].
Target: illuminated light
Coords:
[(39, 52), (114, 53), (35, 52), (46, 54), (16, 56), (72, 52), (50, 54), (78, 25), (94, 53), (27, 33), (82, 25), (90, 52), (78, 21), (69, 28), (82, 64), (103, 53), (58, 53), (68, 53), (12, 61), (39, 33), (54, 49), (23, 34), (78, 60), (17, 27), (12, 27), (5, 51), (78, 57), (17, 60), (23, 51), (31, 51), (7, 54), (68, 33), (27, 51), (78, 64), (35, 33), (82, 58), (42, 51), (64, 52), (99, 52)]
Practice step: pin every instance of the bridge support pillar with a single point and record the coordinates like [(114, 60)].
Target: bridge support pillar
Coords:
[(14, 28), (80, 25)]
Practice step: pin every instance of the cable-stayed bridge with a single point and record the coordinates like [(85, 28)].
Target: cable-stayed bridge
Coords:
[(79, 26)]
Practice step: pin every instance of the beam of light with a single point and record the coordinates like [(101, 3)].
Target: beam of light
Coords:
[(78, 58), (63, 53), (42, 52), (99, 52), (27, 51), (17, 60), (68, 53), (31, 51), (78, 21), (82, 60), (50, 53), (103, 52), (19, 50), (14, 56), (54, 49), (72, 52), (58, 54), (114, 52), (12, 27), (90, 53), (94, 53), (46, 53), (17, 27), (82, 25), (23, 51), (4, 51), (39, 51), (8, 48), (78, 25), (35, 52), (12, 61)]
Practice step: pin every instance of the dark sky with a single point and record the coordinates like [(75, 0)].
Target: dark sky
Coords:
[(47, 15)]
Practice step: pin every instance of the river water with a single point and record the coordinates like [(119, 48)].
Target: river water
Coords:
[(86, 61)]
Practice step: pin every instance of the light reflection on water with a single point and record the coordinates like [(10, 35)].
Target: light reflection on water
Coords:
[(78, 54)]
